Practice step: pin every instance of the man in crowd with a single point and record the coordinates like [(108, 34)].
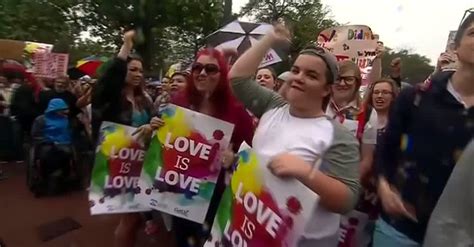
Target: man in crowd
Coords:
[(60, 90), (428, 128)]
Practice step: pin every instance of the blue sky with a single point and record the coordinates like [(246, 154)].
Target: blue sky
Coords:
[(420, 25)]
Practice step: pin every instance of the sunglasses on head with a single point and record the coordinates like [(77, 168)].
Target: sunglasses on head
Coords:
[(211, 69), (466, 14)]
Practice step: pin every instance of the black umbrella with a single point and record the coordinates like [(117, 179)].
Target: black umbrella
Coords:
[(241, 35), (75, 73)]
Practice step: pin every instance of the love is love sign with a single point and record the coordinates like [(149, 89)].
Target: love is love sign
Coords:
[(183, 163), (259, 209), (117, 168)]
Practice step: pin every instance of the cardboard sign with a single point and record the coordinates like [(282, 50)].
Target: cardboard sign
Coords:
[(118, 164), (50, 65), (183, 162), (355, 42), (259, 209), (31, 50), (11, 49)]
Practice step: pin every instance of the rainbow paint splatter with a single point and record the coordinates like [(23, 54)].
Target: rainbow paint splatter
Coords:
[(183, 163), (117, 168), (258, 209)]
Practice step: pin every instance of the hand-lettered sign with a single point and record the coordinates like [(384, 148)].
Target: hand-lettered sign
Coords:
[(354, 42)]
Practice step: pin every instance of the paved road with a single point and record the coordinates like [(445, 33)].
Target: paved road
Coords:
[(21, 214)]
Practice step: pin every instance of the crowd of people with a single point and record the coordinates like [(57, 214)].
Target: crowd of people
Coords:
[(387, 155)]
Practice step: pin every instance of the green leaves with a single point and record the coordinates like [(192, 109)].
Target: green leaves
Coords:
[(306, 18), (415, 67), (173, 29)]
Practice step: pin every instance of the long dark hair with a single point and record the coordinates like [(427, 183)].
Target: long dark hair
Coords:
[(139, 94)]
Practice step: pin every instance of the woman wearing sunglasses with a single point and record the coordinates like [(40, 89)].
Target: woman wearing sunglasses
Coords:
[(208, 91), (304, 144)]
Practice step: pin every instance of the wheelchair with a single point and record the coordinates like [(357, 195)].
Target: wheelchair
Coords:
[(56, 182)]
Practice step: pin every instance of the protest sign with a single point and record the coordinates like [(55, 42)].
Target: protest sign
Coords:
[(29, 52), (11, 49), (50, 65), (354, 42), (117, 167), (183, 162), (25, 52), (259, 209)]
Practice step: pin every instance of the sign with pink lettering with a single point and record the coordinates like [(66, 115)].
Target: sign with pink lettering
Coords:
[(259, 209), (118, 164), (183, 162), (50, 65), (354, 42)]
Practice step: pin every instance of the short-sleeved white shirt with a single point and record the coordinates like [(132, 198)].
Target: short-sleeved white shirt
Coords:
[(370, 129)]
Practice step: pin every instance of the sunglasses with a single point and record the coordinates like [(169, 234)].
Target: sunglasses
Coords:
[(211, 69), (466, 13)]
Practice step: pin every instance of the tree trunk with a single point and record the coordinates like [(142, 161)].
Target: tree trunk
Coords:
[(144, 23), (228, 17)]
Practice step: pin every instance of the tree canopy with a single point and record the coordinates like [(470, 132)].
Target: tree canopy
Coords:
[(306, 18), (415, 68), (173, 30)]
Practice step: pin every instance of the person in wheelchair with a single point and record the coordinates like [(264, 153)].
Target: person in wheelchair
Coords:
[(52, 140)]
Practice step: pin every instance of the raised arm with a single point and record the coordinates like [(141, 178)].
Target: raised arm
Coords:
[(256, 98), (376, 72), (248, 63), (107, 91), (127, 45)]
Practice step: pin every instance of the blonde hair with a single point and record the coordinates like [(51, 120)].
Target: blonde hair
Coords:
[(348, 65)]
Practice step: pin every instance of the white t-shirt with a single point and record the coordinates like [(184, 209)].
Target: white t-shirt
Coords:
[(370, 129), (310, 139)]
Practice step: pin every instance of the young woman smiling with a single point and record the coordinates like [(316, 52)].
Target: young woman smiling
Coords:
[(303, 143), (208, 92)]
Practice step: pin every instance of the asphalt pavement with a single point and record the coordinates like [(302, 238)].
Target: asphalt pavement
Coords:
[(21, 215)]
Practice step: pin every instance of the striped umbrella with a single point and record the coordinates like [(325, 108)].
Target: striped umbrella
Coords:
[(90, 65), (241, 36)]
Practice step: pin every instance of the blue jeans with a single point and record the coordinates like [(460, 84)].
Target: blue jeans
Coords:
[(387, 236)]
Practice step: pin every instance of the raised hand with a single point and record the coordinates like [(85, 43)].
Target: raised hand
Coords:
[(380, 50), (396, 66), (128, 37), (281, 33), (127, 46)]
